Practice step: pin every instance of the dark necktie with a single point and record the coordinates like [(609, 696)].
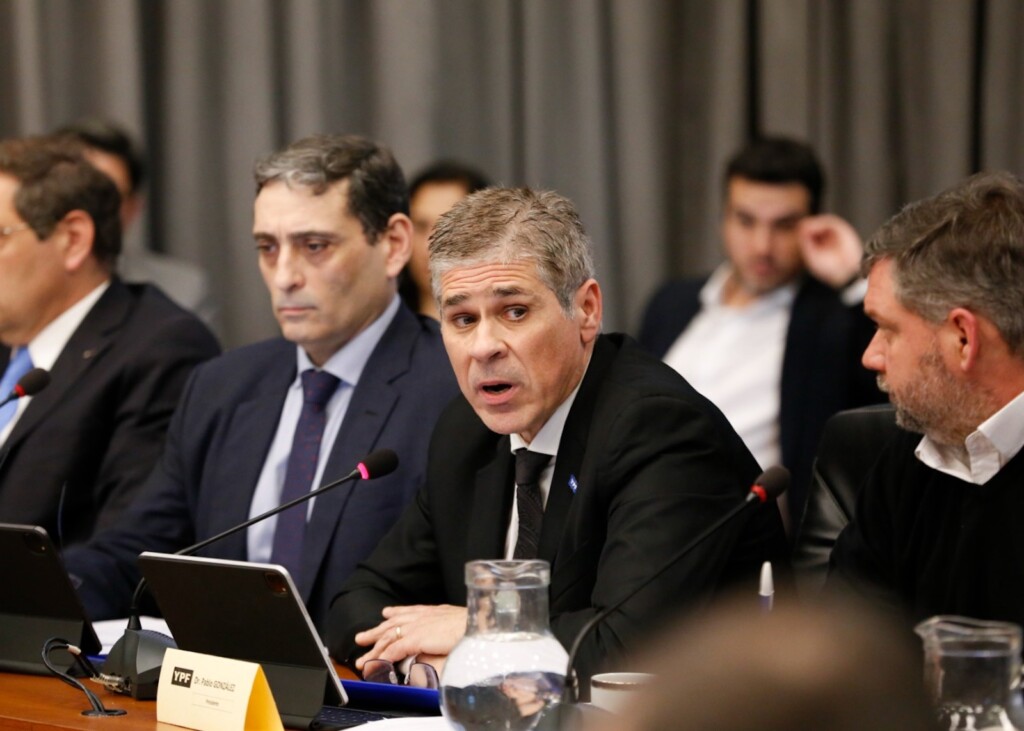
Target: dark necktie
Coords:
[(20, 365), (529, 466), (317, 389)]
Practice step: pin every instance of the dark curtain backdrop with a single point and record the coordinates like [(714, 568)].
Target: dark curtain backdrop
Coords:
[(629, 107)]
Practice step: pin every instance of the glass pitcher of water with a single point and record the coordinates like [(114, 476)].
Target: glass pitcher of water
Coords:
[(972, 671), (508, 669)]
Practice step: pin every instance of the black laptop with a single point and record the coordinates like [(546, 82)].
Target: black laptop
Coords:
[(250, 611), (37, 602)]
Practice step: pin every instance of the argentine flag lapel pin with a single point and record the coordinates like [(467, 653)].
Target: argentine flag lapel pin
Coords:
[(573, 485)]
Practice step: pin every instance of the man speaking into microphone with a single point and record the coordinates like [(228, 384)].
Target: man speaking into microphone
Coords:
[(567, 445), (354, 371)]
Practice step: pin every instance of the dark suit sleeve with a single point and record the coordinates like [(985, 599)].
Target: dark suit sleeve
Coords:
[(404, 569), (861, 560), (667, 314), (160, 519), (149, 392), (668, 470)]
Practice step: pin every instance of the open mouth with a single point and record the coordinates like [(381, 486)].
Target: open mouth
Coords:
[(497, 388)]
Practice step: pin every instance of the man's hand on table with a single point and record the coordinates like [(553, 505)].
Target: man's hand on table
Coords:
[(427, 631)]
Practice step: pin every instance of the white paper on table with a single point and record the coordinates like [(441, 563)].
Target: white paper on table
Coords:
[(431, 723), (110, 630)]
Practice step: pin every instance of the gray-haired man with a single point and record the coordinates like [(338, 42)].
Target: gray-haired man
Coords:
[(634, 463)]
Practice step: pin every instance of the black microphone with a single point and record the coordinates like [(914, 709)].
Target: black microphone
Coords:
[(133, 665), (28, 385), (769, 485)]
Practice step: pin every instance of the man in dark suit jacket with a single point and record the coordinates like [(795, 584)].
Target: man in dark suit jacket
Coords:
[(637, 463), (73, 457), (333, 234), (776, 334)]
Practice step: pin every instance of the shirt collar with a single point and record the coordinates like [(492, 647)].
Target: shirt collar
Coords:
[(550, 435), (711, 292), (47, 345), (348, 362), (986, 450)]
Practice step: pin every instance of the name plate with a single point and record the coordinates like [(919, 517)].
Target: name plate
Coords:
[(211, 693)]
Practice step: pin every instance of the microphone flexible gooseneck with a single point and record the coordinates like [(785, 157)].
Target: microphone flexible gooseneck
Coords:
[(123, 670), (769, 485), (376, 464)]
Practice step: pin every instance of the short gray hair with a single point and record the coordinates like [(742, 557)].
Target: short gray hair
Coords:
[(511, 224), (961, 248), (376, 185)]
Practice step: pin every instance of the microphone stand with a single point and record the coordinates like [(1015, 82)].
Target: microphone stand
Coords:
[(133, 665), (133, 617), (772, 483)]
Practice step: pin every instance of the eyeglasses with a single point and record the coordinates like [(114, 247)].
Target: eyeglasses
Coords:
[(421, 675), (8, 230)]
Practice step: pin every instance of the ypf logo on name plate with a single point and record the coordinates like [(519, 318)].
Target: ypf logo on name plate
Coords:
[(211, 693), (182, 677)]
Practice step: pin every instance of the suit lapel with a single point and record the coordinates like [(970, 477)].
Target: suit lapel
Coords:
[(86, 346), (492, 505), (372, 403), (248, 437), (571, 452)]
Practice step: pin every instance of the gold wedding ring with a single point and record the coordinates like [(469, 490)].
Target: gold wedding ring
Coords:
[(398, 632)]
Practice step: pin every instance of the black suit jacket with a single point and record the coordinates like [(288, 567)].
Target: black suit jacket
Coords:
[(84, 445), (654, 463), (219, 440), (821, 369)]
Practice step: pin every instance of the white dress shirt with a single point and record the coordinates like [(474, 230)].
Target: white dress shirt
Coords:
[(986, 450), (546, 442), (48, 344), (733, 356)]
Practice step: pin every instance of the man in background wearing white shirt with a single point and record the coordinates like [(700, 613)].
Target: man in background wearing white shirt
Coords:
[(773, 337)]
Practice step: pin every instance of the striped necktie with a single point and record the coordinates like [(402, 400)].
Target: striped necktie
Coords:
[(317, 389)]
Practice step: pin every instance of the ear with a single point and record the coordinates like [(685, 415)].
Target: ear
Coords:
[(397, 243), (961, 338), (589, 309), (74, 237)]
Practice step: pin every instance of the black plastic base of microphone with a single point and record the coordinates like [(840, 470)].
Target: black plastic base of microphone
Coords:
[(105, 712), (136, 658)]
